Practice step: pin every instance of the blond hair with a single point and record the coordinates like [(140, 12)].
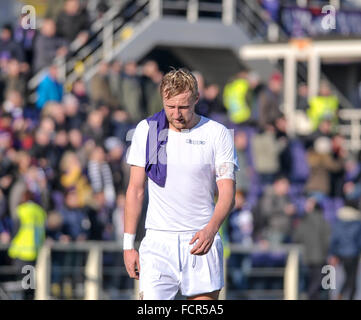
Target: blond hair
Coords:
[(178, 81)]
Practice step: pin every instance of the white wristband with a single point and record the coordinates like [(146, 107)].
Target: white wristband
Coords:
[(128, 241)]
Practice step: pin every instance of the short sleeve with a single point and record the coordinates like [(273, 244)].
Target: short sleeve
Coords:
[(136, 152), (224, 148)]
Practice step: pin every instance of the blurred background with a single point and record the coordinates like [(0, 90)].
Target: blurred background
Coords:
[(284, 75)]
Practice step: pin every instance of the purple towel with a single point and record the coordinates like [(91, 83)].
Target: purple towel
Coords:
[(156, 155)]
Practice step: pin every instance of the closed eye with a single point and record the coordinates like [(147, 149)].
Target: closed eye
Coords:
[(180, 107)]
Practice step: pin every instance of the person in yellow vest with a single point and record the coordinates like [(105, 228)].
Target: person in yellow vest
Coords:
[(325, 105), (236, 98), (25, 246)]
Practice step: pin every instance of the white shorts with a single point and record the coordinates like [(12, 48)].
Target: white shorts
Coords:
[(166, 265)]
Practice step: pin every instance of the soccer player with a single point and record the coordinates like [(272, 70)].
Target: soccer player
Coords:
[(186, 158)]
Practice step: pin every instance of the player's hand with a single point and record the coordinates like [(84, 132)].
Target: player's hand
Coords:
[(205, 239), (131, 261)]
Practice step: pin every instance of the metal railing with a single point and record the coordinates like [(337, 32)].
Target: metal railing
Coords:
[(119, 24), (351, 128), (94, 270)]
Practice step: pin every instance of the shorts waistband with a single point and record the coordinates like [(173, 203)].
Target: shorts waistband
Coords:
[(171, 234), (186, 235)]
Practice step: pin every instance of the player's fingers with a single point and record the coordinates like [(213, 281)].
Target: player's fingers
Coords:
[(197, 250), (195, 237), (138, 269), (205, 248), (131, 270), (198, 244)]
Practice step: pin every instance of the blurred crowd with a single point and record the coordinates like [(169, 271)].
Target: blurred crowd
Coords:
[(63, 168)]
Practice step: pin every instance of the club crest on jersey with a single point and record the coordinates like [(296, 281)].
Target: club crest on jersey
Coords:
[(190, 141)]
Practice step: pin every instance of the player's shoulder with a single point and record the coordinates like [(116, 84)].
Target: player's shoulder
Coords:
[(142, 126), (214, 127)]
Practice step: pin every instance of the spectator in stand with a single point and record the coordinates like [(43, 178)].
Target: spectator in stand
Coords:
[(115, 149), (321, 165), (74, 118), (72, 176), (272, 8), (73, 22), (76, 227), (313, 232), (211, 97), (25, 38), (42, 147), (275, 213), (270, 99), (93, 129), (14, 104), (345, 245), (5, 228), (100, 175), (266, 151), (80, 92), (155, 103), (131, 92), (50, 88), (78, 145), (243, 175), (9, 49), (202, 107), (240, 230), (324, 130), (324, 105), (284, 143), (353, 177), (54, 8), (150, 85), (102, 218), (55, 111), (100, 91), (7, 166), (121, 125), (18, 188), (15, 79), (47, 46), (339, 154), (26, 244), (237, 98), (115, 81)]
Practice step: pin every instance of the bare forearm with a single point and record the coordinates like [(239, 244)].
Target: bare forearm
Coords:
[(223, 207), (133, 208)]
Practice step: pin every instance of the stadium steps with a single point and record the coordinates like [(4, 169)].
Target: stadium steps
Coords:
[(131, 29)]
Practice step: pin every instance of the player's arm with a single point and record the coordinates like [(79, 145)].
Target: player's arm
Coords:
[(133, 207), (225, 178)]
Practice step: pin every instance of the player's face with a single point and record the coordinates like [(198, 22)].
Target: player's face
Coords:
[(180, 111)]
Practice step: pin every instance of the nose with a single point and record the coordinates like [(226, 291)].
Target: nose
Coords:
[(177, 113)]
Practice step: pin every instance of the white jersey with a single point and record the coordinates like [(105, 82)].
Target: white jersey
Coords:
[(186, 202)]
